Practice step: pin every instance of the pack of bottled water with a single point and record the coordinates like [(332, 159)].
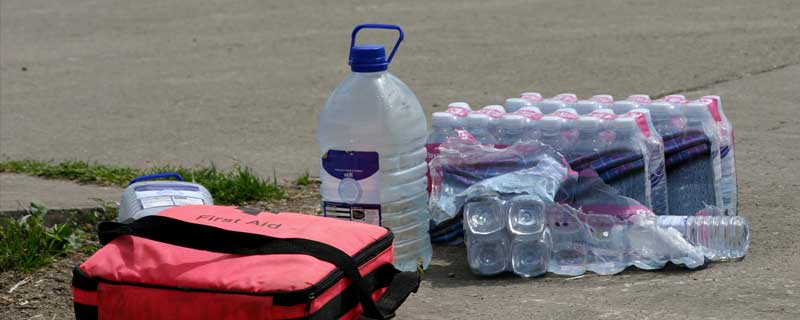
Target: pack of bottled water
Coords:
[(647, 182), (672, 155)]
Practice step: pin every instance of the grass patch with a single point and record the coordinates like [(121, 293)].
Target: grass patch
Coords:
[(80, 171), (26, 243), (237, 186), (304, 180)]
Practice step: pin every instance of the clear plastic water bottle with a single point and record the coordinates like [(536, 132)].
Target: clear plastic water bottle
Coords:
[(514, 104), (530, 240), (608, 244), (530, 254), (534, 97), (568, 98), (669, 120), (586, 106), (372, 135), (569, 236), (478, 126), (548, 106), (721, 237), (510, 129), (487, 254), (605, 100), (568, 130), (550, 133), (461, 110), (487, 243), (656, 162), (728, 185), (146, 197), (606, 134), (700, 178), (495, 112), (628, 140), (622, 107), (588, 138), (639, 98), (532, 116), (675, 99), (443, 126), (529, 109)]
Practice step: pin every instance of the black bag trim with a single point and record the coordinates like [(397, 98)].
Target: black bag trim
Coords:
[(81, 280), (379, 278), (85, 312), (180, 233)]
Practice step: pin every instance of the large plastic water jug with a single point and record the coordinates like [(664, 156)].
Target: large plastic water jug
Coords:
[(372, 136)]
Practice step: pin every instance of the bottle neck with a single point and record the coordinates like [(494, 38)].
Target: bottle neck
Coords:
[(375, 74)]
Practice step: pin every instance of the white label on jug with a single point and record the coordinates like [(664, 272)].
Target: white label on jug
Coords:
[(358, 191), (158, 201), (182, 201), (162, 195)]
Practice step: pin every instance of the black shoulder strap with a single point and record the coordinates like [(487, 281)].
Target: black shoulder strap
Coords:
[(203, 237)]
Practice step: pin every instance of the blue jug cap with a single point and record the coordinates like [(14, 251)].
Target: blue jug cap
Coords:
[(368, 58), (371, 57)]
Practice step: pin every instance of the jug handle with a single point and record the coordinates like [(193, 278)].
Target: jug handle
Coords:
[(378, 26), (156, 176)]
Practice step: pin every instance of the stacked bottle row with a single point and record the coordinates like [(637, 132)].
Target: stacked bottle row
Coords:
[(529, 237), (672, 155)]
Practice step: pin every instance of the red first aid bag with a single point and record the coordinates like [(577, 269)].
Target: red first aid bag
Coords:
[(216, 262)]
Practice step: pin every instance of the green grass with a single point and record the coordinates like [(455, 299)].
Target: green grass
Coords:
[(72, 170), (26, 243), (304, 180), (237, 186)]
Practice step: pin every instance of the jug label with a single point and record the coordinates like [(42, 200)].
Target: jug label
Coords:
[(161, 195), (358, 191), (163, 201)]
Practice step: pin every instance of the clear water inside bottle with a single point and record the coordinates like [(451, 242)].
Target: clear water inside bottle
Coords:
[(375, 112)]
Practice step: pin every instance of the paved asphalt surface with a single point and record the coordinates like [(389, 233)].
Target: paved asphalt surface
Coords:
[(143, 82)]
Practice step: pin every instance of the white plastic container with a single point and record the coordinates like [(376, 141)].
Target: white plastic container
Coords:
[(372, 136), (147, 196)]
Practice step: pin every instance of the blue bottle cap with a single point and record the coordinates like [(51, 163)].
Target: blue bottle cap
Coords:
[(368, 58)]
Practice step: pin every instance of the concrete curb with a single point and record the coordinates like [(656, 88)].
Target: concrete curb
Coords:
[(57, 215)]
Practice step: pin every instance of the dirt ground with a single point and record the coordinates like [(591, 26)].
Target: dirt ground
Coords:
[(137, 82), (44, 294)]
